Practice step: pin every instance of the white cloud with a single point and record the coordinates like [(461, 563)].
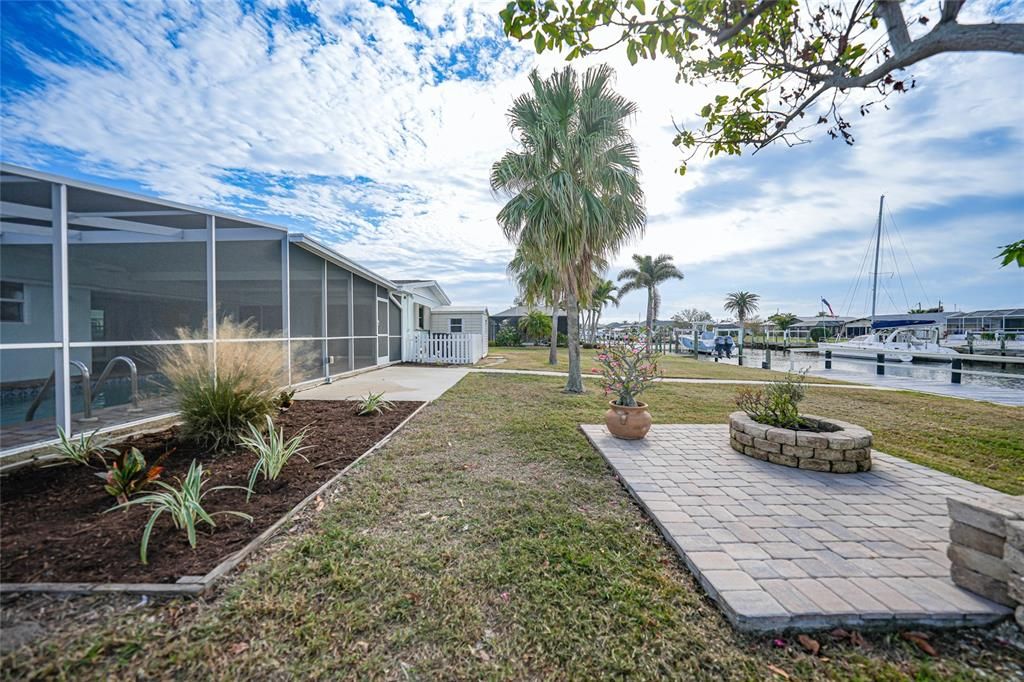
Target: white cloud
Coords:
[(390, 160)]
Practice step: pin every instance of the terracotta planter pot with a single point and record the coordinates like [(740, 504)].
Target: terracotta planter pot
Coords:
[(628, 423)]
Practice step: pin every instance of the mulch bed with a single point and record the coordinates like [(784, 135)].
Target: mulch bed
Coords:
[(53, 529)]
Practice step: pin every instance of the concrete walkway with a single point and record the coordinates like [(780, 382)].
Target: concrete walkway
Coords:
[(792, 549), (398, 382)]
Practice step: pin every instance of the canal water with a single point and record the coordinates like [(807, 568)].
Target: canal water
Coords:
[(928, 371)]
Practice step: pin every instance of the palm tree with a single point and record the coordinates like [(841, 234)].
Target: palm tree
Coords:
[(602, 295), (538, 284), (573, 188), (742, 304), (535, 325), (648, 274), (783, 321)]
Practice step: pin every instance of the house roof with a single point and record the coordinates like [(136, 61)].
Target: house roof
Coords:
[(327, 253), (152, 215), (410, 284), (1001, 312), (523, 310)]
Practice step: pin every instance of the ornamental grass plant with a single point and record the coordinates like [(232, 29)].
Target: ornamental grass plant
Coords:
[(217, 408)]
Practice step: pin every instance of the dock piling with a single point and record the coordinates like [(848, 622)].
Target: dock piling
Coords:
[(828, 359), (880, 364), (957, 366)]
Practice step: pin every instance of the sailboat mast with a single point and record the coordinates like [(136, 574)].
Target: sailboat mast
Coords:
[(878, 245)]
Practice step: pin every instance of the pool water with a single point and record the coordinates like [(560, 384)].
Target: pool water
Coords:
[(14, 405)]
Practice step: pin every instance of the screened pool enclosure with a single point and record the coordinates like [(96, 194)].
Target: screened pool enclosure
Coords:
[(94, 279)]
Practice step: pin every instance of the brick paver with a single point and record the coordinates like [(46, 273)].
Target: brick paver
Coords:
[(782, 548)]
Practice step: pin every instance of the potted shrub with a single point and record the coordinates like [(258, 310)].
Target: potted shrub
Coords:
[(627, 369), (770, 427)]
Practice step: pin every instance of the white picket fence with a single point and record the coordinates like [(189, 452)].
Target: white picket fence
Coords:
[(454, 349)]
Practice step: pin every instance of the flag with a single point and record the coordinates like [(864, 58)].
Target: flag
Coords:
[(829, 307)]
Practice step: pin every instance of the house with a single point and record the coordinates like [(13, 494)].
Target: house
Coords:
[(517, 312), (1010, 320), (93, 279)]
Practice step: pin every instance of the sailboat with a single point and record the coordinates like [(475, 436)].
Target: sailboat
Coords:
[(898, 339)]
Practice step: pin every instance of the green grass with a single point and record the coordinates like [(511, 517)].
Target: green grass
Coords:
[(488, 540), (676, 366)]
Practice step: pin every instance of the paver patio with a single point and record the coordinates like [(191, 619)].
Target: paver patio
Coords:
[(781, 548)]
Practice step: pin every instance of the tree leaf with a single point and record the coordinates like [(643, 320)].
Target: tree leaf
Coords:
[(920, 640), (810, 644)]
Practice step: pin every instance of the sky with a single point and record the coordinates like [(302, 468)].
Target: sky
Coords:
[(373, 127)]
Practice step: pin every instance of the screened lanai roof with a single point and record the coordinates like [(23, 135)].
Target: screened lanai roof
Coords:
[(103, 215), (1000, 312)]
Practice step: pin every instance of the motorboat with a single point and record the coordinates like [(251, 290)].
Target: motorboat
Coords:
[(705, 342), (899, 342)]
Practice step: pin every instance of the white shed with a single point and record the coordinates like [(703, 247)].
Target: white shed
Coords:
[(459, 319)]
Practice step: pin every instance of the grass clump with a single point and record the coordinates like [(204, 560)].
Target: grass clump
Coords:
[(83, 449), (183, 504), (777, 404), (272, 452), (217, 407), (373, 403)]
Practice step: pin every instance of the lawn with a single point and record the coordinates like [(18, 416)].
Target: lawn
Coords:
[(676, 366), (488, 540)]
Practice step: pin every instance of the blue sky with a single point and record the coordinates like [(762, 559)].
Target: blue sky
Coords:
[(373, 126)]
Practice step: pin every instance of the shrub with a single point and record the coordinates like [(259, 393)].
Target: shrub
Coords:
[(216, 411), (627, 367), (817, 333), (563, 340), (284, 400), (128, 475), (507, 335), (183, 504), (775, 404), (272, 452), (374, 403), (988, 336), (84, 449)]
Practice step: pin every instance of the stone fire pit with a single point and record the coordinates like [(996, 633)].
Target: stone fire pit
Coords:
[(836, 447)]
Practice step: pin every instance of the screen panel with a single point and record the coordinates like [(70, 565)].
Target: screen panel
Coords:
[(364, 304), (306, 295), (365, 353), (26, 280), (123, 291), (338, 285), (249, 283)]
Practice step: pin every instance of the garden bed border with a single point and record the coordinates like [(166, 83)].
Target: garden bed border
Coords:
[(194, 585)]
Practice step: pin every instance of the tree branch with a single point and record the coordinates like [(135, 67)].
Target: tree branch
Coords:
[(890, 12), (950, 10), (948, 37), (727, 34)]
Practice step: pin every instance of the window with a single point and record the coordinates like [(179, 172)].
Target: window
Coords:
[(421, 322), (455, 325), (98, 322), (12, 301)]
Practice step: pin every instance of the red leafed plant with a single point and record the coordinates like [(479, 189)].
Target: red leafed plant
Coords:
[(128, 474), (627, 367)]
